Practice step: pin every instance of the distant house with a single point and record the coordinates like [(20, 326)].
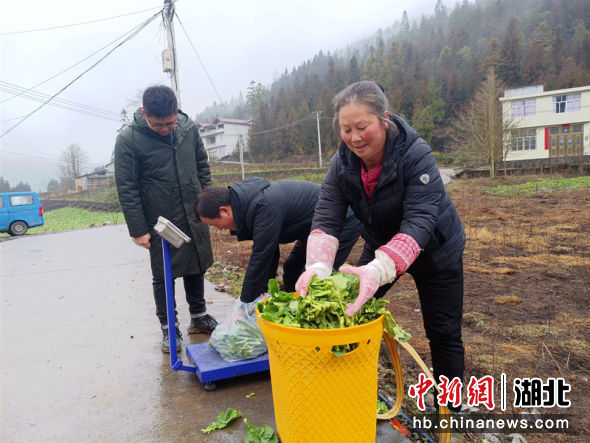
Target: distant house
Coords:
[(110, 169), (222, 136), (550, 126), (98, 179)]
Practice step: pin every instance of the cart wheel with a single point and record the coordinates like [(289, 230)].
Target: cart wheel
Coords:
[(209, 386)]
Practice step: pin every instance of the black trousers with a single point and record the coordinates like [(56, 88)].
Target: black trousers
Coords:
[(294, 265), (441, 300), (194, 287)]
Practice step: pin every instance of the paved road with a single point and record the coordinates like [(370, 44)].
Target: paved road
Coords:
[(80, 348), (80, 351), (447, 174)]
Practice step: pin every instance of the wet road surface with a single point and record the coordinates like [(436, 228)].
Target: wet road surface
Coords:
[(80, 348), (80, 355)]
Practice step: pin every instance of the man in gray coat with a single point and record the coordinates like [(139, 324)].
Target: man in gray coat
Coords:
[(160, 169)]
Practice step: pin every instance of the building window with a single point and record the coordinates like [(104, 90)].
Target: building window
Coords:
[(523, 108), (524, 140), (567, 103)]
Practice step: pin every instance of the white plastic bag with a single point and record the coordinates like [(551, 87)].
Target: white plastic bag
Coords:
[(238, 336)]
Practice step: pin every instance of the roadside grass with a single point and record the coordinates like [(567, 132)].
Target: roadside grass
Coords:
[(65, 219), (550, 184)]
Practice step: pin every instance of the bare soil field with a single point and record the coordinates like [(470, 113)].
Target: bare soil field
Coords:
[(527, 292)]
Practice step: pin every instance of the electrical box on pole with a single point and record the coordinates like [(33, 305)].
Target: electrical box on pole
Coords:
[(167, 60)]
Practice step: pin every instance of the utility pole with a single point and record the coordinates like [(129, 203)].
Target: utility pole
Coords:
[(241, 145), (317, 115), (169, 58)]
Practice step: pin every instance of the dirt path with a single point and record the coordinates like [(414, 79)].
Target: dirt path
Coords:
[(527, 289)]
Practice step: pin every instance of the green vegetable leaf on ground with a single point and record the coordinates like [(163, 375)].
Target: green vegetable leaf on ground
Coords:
[(382, 407), (265, 434), (223, 419)]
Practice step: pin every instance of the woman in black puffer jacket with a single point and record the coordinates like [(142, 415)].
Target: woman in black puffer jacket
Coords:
[(387, 174)]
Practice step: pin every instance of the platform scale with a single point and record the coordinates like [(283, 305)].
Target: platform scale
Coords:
[(209, 366)]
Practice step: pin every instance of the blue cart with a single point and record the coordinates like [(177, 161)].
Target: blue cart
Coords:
[(208, 364)]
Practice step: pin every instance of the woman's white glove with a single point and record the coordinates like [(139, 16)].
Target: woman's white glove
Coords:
[(391, 260), (376, 273), (319, 260)]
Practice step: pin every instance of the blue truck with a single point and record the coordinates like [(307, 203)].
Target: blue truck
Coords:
[(20, 211)]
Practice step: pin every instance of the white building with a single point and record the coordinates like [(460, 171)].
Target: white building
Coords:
[(552, 125), (223, 135)]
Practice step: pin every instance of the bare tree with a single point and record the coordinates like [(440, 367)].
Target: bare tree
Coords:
[(482, 134), (73, 163)]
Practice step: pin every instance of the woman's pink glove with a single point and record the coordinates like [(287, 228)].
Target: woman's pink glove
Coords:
[(320, 255), (377, 273)]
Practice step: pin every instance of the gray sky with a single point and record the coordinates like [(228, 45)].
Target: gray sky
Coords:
[(237, 41)]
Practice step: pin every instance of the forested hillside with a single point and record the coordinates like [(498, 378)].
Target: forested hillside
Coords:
[(429, 68)]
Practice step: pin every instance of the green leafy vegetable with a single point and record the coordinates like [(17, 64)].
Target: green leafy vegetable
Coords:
[(240, 341), (394, 330), (223, 419), (265, 434), (382, 407), (324, 307)]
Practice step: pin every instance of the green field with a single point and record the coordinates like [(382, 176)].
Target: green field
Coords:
[(65, 219), (550, 184)]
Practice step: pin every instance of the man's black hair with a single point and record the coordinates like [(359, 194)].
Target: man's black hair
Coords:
[(159, 101), (210, 200)]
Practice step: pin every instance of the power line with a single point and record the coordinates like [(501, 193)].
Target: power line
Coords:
[(284, 127), (28, 149), (204, 69), (78, 24), (84, 72), (29, 155), (75, 64), (58, 102), (199, 58), (11, 119)]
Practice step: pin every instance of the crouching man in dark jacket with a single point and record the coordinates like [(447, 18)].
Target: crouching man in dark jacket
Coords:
[(270, 214)]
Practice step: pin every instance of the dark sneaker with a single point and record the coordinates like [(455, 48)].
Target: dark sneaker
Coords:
[(202, 325), (166, 341)]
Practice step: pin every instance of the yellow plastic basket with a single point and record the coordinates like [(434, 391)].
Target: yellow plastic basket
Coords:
[(319, 397)]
